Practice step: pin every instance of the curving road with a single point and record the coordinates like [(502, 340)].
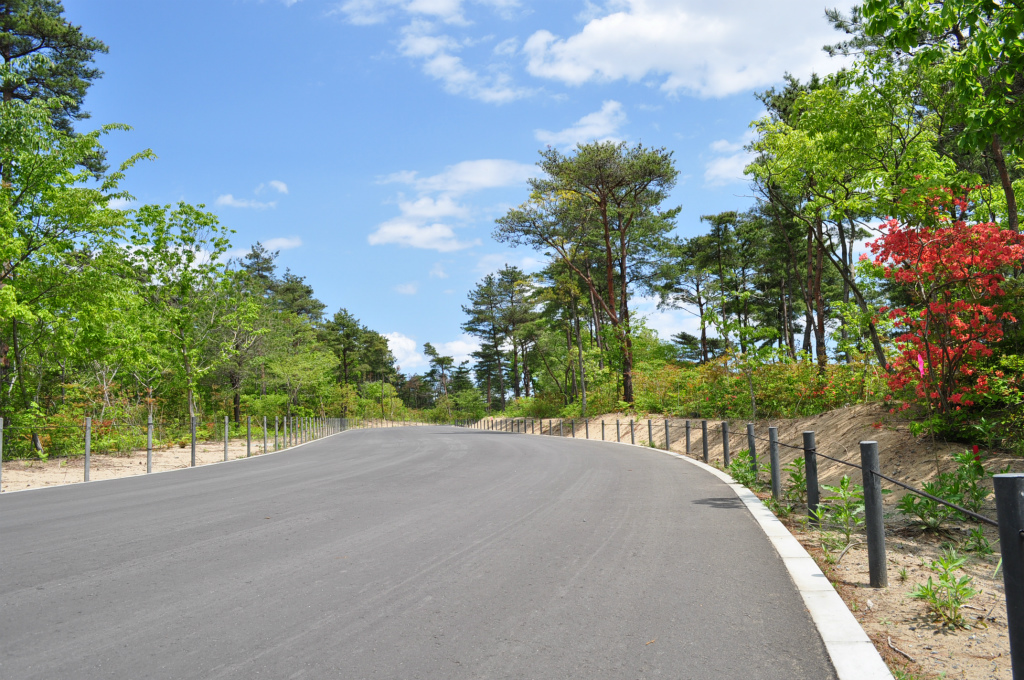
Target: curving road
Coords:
[(425, 552)]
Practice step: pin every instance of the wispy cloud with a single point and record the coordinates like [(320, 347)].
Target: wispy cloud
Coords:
[(727, 167), (274, 184), (230, 201), (436, 52), (438, 272), (407, 288), (427, 221), (601, 125), (466, 176), (282, 243)]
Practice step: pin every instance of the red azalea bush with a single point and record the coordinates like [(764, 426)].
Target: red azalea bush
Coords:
[(953, 271)]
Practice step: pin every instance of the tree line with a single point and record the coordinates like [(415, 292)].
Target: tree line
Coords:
[(860, 180)]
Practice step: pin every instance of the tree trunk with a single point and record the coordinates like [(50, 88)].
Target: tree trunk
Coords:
[(1004, 180)]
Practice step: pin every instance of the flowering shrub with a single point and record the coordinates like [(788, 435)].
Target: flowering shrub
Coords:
[(953, 272)]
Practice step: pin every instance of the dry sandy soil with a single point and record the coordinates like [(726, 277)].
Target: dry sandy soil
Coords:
[(890, 616)]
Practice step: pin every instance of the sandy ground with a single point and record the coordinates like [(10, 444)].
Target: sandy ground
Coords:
[(31, 474)]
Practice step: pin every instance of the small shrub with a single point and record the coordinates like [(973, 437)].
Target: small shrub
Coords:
[(796, 490), (843, 509), (962, 486), (946, 597)]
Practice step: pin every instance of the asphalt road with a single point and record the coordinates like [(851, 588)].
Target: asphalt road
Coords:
[(404, 553)]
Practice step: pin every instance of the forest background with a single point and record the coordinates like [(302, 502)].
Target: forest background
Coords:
[(880, 260)]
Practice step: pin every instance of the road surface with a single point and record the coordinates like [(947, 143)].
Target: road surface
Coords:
[(404, 553)]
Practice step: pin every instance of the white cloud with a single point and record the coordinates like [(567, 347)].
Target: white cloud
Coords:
[(119, 204), (460, 349), (438, 272), (507, 47), (411, 233), (407, 288), (728, 169), (438, 61), (409, 358), (688, 46), (282, 243), (420, 223), (467, 176), (405, 350), (490, 264), (600, 125), (275, 184), (430, 208), (364, 12), (232, 202)]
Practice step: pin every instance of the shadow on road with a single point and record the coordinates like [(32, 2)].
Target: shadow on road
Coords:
[(720, 503)]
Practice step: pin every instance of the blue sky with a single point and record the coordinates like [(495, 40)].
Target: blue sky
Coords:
[(374, 142)]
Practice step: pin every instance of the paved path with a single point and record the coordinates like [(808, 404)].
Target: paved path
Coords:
[(404, 553)]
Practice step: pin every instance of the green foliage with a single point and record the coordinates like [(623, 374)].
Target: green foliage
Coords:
[(796, 474), (949, 594), (843, 509), (962, 486), (741, 470), (977, 543)]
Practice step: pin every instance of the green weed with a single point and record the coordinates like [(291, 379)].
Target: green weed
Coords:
[(946, 597)]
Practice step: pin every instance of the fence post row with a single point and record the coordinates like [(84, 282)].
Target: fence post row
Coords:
[(811, 471), (725, 444), (873, 524)]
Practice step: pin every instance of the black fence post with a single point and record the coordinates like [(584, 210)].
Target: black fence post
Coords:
[(725, 444), (586, 428), (227, 434), (632, 434), (88, 445), (149, 444), (704, 438), (248, 436), (1010, 513), (773, 454), (751, 444), (602, 430), (687, 437), (618, 434), (650, 433), (811, 471), (561, 432), (873, 524), (572, 427), (264, 434), (192, 428)]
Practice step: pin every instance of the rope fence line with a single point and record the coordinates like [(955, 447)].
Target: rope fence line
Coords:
[(740, 436)]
